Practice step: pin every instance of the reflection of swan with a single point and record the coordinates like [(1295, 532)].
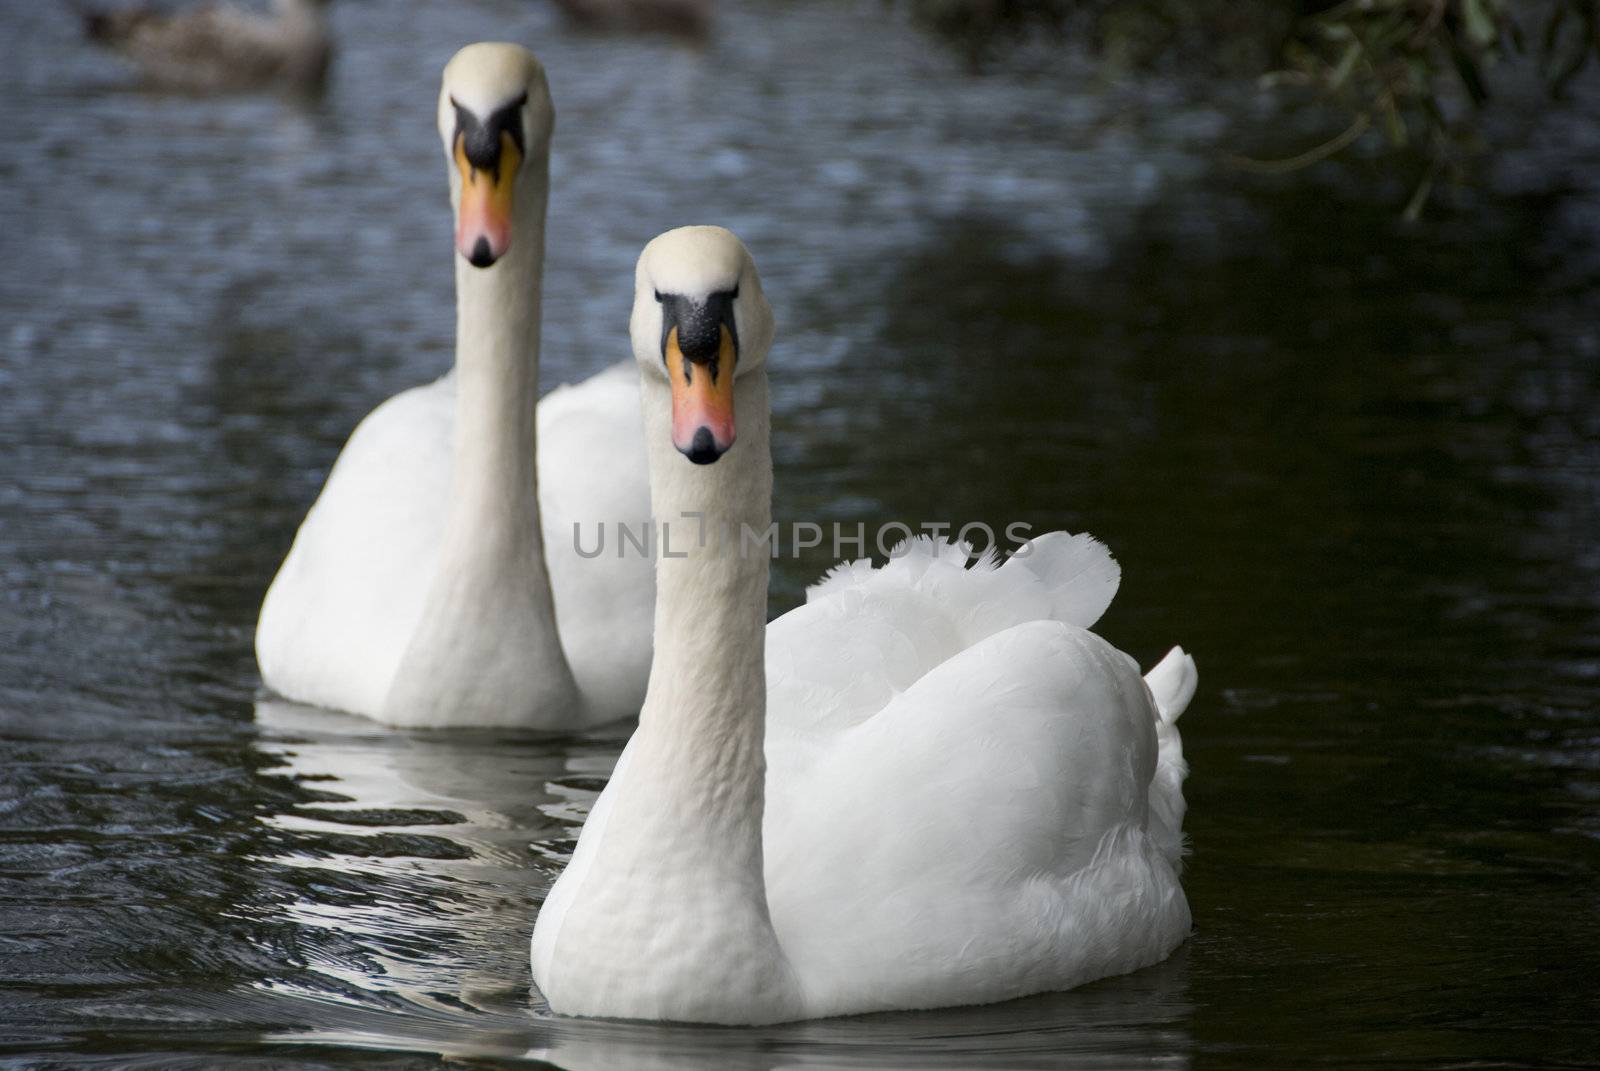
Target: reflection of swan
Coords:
[(970, 796), (416, 591), (221, 46), (1132, 1021), (435, 830)]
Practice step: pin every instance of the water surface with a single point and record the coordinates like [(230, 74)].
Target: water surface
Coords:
[(1354, 467)]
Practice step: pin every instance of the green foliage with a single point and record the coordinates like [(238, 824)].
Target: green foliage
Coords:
[(1419, 71), (1402, 65)]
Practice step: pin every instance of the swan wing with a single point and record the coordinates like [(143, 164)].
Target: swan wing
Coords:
[(983, 835), (592, 478), (866, 634), (970, 795), (343, 607)]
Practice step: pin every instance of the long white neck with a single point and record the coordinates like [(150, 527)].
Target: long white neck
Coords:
[(490, 594), (678, 854), (494, 481), (707, 698)]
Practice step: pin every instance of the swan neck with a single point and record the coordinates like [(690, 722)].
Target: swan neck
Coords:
[(712, 561), (698, 752), (491, 585), (677, 861), (497, 384)]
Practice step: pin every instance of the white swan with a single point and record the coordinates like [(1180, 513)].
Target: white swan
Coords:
[(967, 796), (416, 591)]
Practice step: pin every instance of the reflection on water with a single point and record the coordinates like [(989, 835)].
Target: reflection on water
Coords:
[(424, 842), (1355, 467)]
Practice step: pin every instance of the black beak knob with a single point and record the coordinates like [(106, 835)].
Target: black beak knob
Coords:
[(703, 450)]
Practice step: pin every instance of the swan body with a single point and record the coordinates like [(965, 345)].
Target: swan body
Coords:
[(930, 785), (425, 585), (221, 46), (353, 588), (992, 807)]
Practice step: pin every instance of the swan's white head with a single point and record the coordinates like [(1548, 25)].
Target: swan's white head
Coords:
[(699, 321), (495, 119)]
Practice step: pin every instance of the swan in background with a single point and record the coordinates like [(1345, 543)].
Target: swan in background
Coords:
[(417, 590), (221, 46), (931, 785)]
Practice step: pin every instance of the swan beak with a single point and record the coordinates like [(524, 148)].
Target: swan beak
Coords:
[(483, 222), (702, 400)]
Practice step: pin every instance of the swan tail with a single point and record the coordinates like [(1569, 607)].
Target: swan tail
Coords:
[(1077, 571), (1172, 684)]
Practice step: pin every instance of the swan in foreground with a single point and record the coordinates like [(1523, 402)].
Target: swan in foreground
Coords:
[(417, 591), (221, 46), (931, 785)]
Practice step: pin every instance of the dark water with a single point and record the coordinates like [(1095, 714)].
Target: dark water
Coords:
[(1354, 467)]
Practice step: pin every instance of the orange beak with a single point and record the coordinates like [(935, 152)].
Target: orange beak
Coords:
[(702, 400), (483, 221)]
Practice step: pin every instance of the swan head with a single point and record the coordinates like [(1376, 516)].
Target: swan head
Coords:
[(495, 119), (700, 320)]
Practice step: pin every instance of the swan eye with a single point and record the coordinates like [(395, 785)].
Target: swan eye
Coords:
[(659, 298)]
